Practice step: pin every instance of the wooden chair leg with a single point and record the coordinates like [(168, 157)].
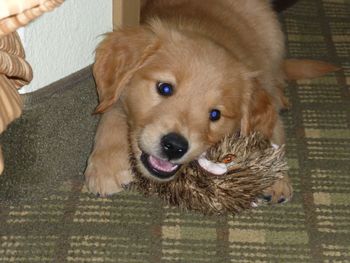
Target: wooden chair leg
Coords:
[(126, 13)]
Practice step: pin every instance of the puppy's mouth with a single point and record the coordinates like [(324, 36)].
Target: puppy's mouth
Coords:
[(159, 168)]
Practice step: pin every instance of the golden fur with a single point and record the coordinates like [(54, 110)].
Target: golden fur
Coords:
[(220, 54)]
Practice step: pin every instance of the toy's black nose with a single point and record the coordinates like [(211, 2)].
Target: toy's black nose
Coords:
[(174, 145)]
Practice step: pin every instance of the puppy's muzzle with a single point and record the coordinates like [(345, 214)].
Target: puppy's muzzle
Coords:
[(173, 146), (163, 168)]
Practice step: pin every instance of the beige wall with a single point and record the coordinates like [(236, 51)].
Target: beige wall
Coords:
[(63, 41)]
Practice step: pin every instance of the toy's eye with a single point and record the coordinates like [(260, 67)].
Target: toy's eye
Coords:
[(165, 89), (214, 115), (229, 158)]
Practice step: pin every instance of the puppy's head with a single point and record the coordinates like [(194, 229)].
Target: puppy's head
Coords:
[(181, 93)]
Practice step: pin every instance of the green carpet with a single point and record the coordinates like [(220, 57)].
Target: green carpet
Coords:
[(46, 215)]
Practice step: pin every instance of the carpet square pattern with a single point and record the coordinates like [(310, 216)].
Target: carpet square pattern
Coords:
[(47, 215)]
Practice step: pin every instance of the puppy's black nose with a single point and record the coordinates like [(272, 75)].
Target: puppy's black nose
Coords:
[(174, 145)]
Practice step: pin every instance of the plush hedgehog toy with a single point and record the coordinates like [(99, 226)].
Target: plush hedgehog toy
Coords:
[(229, 178)]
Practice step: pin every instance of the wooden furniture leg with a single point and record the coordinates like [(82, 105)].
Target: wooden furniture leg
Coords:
[(126, 13)]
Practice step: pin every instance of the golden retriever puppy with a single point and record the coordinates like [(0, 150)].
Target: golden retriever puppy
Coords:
[(193, 72)]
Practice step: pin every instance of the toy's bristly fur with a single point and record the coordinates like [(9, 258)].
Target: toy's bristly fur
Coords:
[(253, 166)]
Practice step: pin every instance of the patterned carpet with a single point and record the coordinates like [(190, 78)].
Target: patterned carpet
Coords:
[(46, 215)]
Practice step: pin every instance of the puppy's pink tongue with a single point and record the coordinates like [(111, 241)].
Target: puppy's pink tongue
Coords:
[(162, 165)]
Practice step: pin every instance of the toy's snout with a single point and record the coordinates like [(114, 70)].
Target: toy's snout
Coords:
[(211, 167)]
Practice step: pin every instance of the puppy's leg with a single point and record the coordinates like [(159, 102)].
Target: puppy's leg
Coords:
[(281, 191), (108, 168)]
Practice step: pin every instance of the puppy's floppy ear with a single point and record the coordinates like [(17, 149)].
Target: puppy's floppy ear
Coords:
[(258, 112), (118, 57)]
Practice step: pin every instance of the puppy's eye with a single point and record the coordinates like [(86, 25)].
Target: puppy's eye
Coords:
[(165, 89), (214, 115)]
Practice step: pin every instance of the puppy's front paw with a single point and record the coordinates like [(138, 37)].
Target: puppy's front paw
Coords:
[(280, 192), (103, 180)]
